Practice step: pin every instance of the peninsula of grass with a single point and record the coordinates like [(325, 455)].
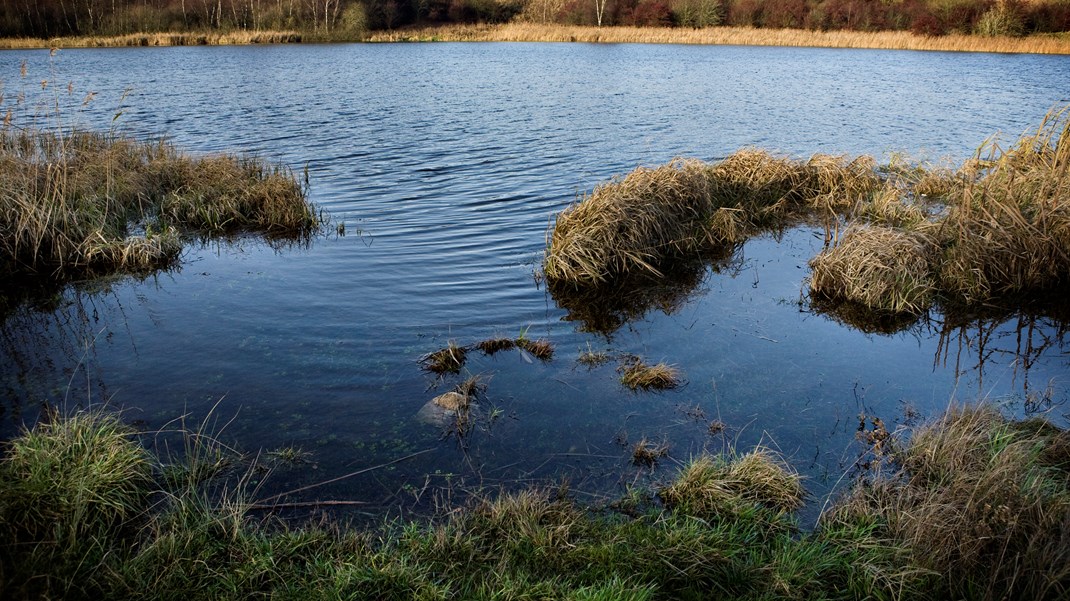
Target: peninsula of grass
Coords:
[(972, 506), (898, 239), (79, 204)]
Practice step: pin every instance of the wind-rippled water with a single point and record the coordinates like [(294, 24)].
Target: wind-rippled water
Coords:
[(446, 164)]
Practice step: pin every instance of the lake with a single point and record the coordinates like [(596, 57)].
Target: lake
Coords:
[(446, 164)]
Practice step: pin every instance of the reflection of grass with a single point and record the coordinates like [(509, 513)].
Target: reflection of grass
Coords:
[(978, 509)]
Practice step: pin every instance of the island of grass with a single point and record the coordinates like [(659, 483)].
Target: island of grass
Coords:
[(78, 204), (899, 239), (971, 506)]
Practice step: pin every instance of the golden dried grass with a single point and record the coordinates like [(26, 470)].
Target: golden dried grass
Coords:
[(734, 36), (71, 203), (652, 218), (228, 38), (445, 360), (640, 376), (885, 269)]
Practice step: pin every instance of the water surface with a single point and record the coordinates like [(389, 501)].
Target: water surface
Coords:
[(446, 164)]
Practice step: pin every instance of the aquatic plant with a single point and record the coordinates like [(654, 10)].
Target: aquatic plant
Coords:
[(445, 360), (646, 453)]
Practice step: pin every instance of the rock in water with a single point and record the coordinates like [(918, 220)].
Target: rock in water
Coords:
[(440, 410)]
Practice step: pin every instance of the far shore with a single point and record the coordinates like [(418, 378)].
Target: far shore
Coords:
[(532, 32)]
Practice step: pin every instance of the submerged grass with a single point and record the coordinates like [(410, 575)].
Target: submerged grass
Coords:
[(81, 203), (978, 509)]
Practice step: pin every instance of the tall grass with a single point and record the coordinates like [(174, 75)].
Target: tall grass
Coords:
[(977, 510), (74, 203), (1002, 235)]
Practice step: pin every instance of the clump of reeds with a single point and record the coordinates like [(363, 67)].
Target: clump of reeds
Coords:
[(646, 453), (710, 486), (980, 500), (883, 268), (652, 218), (1008, 233), (540, 349), (592, 358), (77, 203), (446, 360), (641, 376)]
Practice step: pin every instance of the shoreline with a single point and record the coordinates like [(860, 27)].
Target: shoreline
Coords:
[(1058, 44)]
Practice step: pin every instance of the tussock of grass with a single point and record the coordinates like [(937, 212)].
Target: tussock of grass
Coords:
[(495, 345), (1004, 235), (712, 486), (979, 511), (83, 203), (540, 349), (640, 376), (980, 500), (883, 268)]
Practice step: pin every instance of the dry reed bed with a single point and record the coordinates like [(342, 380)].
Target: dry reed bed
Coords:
[(84, 203), (742, 36), (233, 38)]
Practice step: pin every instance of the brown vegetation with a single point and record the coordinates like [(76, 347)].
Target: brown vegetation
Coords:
[(640, 376), (79, 203)]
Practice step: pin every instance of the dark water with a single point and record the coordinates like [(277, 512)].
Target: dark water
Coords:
[(446, 164)]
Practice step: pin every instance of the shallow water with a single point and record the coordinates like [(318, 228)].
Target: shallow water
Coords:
[(446, 164)]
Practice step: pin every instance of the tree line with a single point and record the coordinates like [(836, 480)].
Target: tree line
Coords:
[(351, 18)]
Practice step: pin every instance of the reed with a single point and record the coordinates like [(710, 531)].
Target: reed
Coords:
[(446, 360), (734, 36), (80, 203)]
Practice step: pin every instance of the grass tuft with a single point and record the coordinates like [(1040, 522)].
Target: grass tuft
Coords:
[(710, 486), (446, 360), (640, 376), (540, 349)]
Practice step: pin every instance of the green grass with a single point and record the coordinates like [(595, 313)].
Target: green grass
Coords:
[(975, 507)]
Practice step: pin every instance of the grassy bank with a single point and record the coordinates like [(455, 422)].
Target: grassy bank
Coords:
[(994, 232), (741, 36), (974, 506), (77, 204)]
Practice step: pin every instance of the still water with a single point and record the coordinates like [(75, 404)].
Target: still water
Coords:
[(446, 164)]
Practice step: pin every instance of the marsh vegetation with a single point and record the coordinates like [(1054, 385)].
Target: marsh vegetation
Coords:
[(972, 505)]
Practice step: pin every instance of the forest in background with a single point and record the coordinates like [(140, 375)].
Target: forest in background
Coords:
[(352, 19)]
